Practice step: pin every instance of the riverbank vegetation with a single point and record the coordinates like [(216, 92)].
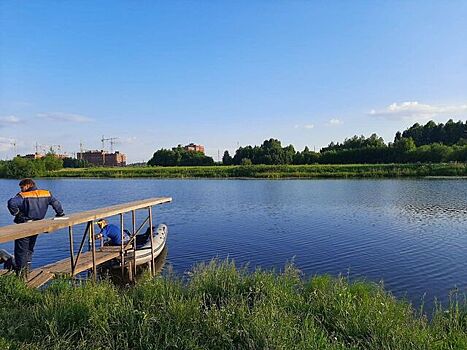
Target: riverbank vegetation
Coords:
[(272, 171), (221, 306)]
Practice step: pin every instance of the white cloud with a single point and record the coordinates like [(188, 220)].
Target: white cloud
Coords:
[(306, 126), (127, 140), (65, 117), (9, 120), (413, 110), (334, 122)]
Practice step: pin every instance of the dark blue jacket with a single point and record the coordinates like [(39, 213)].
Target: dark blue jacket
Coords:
[(113, 233), (32, 205)]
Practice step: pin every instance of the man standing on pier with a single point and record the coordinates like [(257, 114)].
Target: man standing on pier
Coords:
[(30, 204)]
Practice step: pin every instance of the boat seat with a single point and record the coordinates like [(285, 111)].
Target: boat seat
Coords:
[(142, 239)]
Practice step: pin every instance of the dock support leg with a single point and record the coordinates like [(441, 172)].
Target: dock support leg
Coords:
[(83, 240), (133, 221), (72, 251), (122, 251), (153, 268), (130, 271), (93, 247)]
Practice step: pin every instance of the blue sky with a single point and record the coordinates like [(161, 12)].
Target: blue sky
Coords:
[(157, 74)]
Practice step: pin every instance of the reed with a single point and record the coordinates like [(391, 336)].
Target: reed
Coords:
[(272, 171), (221, 306)]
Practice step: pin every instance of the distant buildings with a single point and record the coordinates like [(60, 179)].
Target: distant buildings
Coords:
[(41, 155), (103, 158), (194, 148), (33, 156)]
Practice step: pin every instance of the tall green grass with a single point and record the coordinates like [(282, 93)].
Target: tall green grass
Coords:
[(221, 306), (273, 171)]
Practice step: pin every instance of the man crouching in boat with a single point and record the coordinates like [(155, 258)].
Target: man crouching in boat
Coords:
[(111, 233)]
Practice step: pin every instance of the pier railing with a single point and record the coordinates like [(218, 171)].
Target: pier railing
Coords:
[(79, 262)]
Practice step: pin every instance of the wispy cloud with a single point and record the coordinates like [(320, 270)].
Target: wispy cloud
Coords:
[(65, 117), (413, 110), (306, 126), (127, 140), (334, 122), (9, 120)]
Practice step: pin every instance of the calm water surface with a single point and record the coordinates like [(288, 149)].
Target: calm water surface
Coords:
[(412, 234)]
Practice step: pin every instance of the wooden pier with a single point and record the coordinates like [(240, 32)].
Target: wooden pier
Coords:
[(83, 261)]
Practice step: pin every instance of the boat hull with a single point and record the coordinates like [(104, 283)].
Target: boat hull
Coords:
[(143, 254)]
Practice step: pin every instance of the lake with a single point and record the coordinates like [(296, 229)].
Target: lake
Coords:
[(411, 234)]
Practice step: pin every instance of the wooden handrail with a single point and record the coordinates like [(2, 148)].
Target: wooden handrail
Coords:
[(12, 232)]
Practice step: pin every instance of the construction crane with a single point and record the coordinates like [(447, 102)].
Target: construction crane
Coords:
[(112, 142), (13, 143), (10, 142), (81, 149), (59, 148), (43, 148)]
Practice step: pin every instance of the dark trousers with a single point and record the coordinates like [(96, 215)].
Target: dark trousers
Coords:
[(24, 247)]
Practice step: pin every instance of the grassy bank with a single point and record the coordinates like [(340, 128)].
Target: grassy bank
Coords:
[(273, 171), (222, 307)]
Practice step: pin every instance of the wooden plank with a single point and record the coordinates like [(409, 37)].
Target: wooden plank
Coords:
[(63, 267), (42, 275), (12, 232), (4, 272), (39, 277), (109, 248)]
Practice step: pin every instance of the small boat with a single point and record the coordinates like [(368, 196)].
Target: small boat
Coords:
[(143, 246)]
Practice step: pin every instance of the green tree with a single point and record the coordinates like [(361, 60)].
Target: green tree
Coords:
[(179, 156), (75, 163), (18, 168), (227, 158), (52, 162), (164, 157)]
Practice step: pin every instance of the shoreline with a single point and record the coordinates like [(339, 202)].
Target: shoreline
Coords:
[(314, 171)]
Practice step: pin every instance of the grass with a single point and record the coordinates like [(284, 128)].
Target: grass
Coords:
[(221, 306), (273, 171)]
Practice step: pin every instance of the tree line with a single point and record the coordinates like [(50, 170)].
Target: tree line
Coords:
[(420, 143), (20, 167)]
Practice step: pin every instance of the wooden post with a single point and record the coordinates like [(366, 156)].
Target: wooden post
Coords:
[(122, 252), (72, 252), (133, 221), (86, 232), (153, 268), (93, 244)]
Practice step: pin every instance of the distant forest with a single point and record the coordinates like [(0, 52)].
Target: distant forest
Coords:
[(431, 142)]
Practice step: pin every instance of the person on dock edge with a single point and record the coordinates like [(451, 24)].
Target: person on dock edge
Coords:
[(30, 204), (111, 232)]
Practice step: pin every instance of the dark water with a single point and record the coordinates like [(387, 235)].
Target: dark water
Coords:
[(412, 234)]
